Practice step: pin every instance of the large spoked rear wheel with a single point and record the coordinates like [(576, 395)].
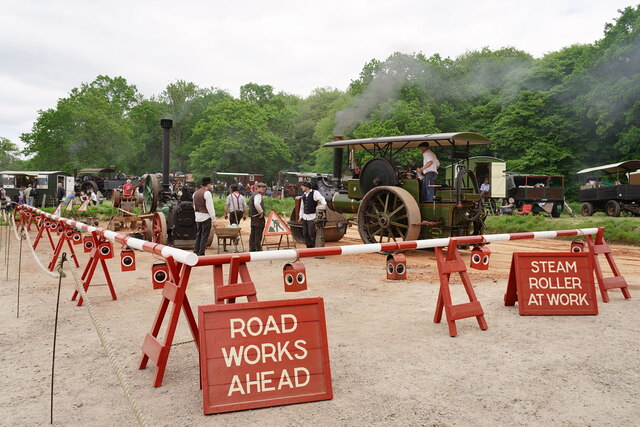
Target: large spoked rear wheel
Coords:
[(159, 228), (388, 214), (151, 192)]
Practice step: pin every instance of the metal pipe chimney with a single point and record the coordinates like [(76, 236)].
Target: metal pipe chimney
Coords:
[(166, 125), (337, 159)]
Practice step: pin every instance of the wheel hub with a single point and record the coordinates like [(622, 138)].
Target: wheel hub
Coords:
[(384, 221)]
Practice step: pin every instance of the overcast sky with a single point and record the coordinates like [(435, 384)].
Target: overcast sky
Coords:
[(49, 47)]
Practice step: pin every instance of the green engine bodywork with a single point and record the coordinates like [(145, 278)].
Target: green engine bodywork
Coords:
[(442, 211)]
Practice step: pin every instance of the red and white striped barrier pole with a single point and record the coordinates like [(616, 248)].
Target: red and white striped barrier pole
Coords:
[(179, 255), (289, 254)]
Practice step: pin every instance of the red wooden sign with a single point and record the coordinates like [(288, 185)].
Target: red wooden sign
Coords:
[(552, 283), (259, 354)]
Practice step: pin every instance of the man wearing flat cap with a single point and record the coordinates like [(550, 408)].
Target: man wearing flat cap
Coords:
[(205, 215), (256, 212), (429, 168), (310, 199)]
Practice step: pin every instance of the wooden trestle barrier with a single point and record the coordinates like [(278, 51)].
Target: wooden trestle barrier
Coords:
[(600, 247), (453, 263), (239, 283)]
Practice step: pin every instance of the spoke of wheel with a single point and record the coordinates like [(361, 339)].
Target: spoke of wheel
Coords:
[(386, 202), (379, 200), (377, 231), (399, 224), (397, 210), (403, 235)]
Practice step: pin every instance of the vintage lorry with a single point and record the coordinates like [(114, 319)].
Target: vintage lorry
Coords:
[(618, 193)]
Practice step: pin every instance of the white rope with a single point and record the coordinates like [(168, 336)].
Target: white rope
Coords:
[(110, 353), (13, 226), (36, 259)]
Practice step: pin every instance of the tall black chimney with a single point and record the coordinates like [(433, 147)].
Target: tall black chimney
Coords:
[(166, 125), (337, 159)]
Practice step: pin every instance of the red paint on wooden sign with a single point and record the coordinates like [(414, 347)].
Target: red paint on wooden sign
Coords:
[(259, 354), (552, 283)]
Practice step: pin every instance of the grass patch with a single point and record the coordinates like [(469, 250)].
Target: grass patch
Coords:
[(103, 211), (270, 203), (622, 230)]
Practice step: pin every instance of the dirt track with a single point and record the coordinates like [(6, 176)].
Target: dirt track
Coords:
[(390, 363)]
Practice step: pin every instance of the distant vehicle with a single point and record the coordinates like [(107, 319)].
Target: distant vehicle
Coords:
[(289, 182), (45, 183), (104, 180), (544, 192), (621, 193)]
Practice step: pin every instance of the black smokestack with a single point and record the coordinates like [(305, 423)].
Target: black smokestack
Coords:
[(337, 159), (166, 125)]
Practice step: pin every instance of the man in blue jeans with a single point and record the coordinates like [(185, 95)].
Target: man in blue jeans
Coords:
[(429, 169)]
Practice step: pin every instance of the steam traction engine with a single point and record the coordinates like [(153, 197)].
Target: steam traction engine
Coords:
[(386, 197), (169, 216)]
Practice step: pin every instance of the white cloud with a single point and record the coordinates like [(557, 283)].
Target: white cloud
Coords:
[(49, 47)]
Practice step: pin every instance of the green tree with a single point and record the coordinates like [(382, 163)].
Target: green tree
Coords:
[(9, 154), (88, 128), (185, 105), (234, 136)]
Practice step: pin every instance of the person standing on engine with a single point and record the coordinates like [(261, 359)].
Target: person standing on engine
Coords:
[(309, 201), (127, 189), (205, 215), (256, 211), (429, 168)]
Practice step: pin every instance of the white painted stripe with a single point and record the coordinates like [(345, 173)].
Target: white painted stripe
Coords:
[(361, 249), (291, 254), (586, 231), (432, 243), (544, 234), (180, 255), (134, 243), (497, 237), (110, 234)]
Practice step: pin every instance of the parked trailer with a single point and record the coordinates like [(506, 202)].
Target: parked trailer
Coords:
[(613, 198), (544, 192), (104, 180), (45, 183)]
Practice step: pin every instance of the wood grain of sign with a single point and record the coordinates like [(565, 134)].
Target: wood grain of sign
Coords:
[(260, 354), (552, 283)]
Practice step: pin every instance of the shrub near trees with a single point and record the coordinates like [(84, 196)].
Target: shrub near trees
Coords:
[(570, 109)]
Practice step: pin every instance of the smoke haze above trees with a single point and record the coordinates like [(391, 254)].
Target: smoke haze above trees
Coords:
[(573, 108)]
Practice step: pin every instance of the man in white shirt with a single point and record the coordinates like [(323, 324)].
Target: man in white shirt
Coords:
[(205, 215), (484, 188), (235, 206), (429, 168), (310, 199)]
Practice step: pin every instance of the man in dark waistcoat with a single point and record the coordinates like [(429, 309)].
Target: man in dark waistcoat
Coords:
[(205, 215), (256, 212), (310, 200)]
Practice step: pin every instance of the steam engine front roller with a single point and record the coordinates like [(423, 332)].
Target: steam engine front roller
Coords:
[(388, 213), (334, 229)]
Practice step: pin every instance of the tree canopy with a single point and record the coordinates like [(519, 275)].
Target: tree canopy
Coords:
[(577, 107)]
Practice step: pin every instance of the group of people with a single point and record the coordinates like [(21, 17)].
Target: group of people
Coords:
[(93, 197), (236, 209), (25, 196)]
